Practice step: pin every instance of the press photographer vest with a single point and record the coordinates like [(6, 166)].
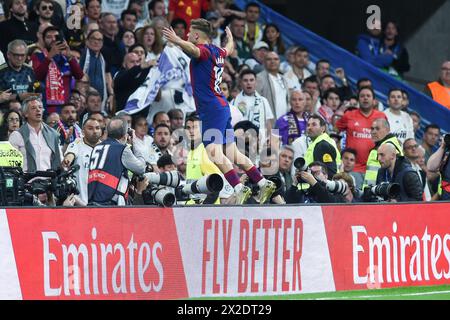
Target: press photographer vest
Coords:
[(108, 179), (10, 156), (373, 165), (309, 155)]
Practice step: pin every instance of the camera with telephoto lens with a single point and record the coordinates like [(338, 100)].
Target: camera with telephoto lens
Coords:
[(170, 179), (158, 195), (336, 187), (300, 164), (385, 190), (210, 185)]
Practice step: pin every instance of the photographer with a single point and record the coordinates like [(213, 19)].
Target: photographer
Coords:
[(439, 162), (310, 186), (109, 165), (397, 169)]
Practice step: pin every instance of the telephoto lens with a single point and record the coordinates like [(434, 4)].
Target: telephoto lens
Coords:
[(159, 196), (170, 179), (337, 187), (206, 185), (300, 164)]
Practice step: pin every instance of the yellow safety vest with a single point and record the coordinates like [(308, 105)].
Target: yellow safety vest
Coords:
[(373, 165), (198, 165), (10, 156), (309, 155)]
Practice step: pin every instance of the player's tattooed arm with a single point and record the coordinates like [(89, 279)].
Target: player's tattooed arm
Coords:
[(188, 47)]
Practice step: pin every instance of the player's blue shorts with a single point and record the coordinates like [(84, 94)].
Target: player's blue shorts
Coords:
[(216, 126)]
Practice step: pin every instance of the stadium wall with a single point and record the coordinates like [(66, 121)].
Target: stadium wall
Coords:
[(154, 253)]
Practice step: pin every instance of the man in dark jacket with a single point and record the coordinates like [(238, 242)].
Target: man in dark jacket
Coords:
[(129, 78), (397, 169)]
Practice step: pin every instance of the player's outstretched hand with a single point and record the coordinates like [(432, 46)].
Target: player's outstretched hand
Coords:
[(229, 34), (170, 35)]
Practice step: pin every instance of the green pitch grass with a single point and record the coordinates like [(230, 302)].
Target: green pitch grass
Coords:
[(410, 293)]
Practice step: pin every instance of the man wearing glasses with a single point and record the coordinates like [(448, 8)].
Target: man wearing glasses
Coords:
[(16, 79)]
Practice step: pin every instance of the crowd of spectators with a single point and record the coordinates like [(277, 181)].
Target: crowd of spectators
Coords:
[(69, 69)]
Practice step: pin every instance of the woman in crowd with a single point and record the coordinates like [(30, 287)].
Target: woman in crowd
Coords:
[(272, 37), (151, 39), (128, 39), (12, 121)]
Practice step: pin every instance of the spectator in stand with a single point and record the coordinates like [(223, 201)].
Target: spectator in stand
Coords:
[(161, 143), (45, 12), (296, 76), (416, 122), (160, 117), (367, 83), (369, 47), (102, 120), (348, 164), (143, 140), (93, 104), (128, 20), (253, 106), (52, 120), (322, 68), (97, 69), (93, 10), (128, 39), (312, 86), (430, 140), (237, 27), (129, 78), (17, 27), (289, 55), (12, 121), (327, 82), (187, 10), (67, 126), (331, 103), (253, 29), (38, 143), (176, 118), (439, 90), (112, 50), (140, 51), (236, 115), (16, 78), (390, 42), (308, 102), (293, 124), (405, 101), (79, 101), (272, 37), (259, 52), (272, 85), (400, 122), (55, 63), (151, 39), (180, 27), (357, 123)]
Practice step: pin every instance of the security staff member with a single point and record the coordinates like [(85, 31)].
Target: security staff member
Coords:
[(440, 161), (10, 156), (198, 163), (110, 161), (380, 135), (323, 148)]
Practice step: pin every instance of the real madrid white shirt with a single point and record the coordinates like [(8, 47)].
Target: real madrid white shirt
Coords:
[(401, 125)]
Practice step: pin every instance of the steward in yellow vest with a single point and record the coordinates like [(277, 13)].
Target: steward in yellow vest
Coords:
[(323, 148), (380, 134)]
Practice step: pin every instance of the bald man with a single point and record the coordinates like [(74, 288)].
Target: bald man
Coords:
[(397, 169), (129, 78), (380, 133)]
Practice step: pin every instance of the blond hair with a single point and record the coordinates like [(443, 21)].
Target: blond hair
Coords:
[(202, 25)]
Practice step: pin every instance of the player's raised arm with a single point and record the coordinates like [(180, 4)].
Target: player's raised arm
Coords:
[(188, 47), (230, 43)]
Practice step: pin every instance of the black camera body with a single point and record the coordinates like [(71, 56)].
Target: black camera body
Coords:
[(447, 141)]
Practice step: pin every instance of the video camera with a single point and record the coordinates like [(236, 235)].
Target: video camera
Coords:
[(384, 190), (18, 188), (157, 192)]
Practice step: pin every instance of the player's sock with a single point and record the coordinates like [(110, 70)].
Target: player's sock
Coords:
[(255, 175), (232, 178)]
